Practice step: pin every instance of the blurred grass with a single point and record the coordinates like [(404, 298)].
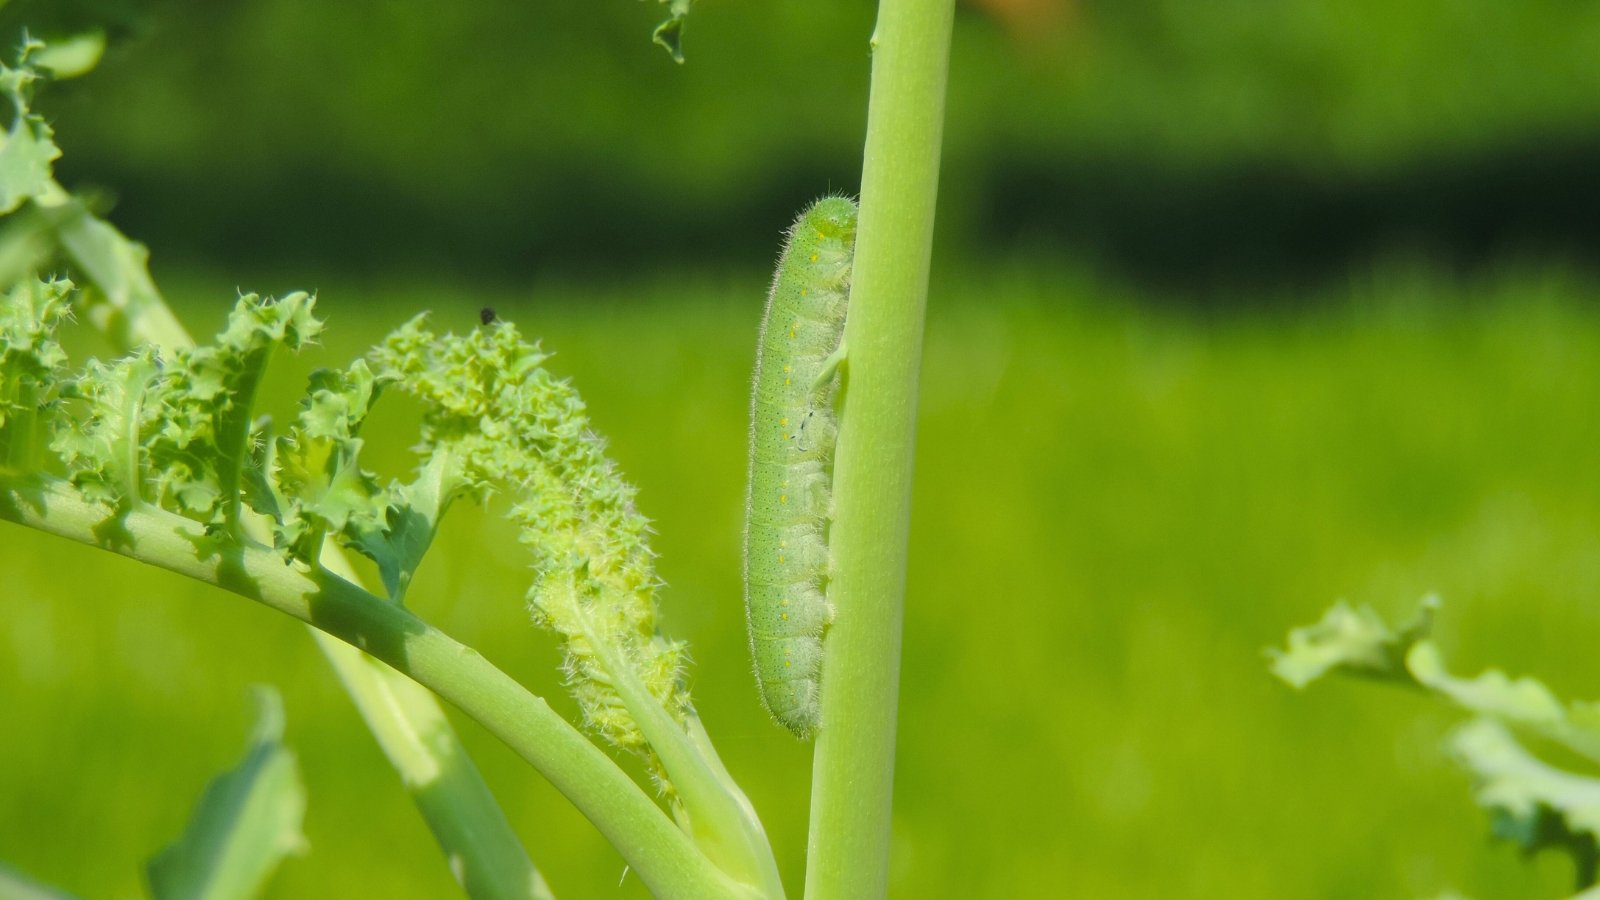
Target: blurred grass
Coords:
[(1116, 510), (1173, 138), (426, 100)]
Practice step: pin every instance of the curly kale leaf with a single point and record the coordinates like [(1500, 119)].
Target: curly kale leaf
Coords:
[(496, 419), (176, 432), (31, 360), (669, 34), (27, 149), (1535, 803)]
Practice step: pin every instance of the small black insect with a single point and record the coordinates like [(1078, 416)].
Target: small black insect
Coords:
[(486, 315)]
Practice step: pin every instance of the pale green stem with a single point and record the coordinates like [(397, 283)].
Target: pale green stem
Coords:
[(483, 852), (663, 857), (722, 819), (853, 771)]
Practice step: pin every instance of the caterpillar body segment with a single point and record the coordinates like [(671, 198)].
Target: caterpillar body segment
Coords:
[(793, 426)]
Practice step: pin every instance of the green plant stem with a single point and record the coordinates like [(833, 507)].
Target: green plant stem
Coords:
[(661, 855), (719, 815), (853, 771), (484, 853)]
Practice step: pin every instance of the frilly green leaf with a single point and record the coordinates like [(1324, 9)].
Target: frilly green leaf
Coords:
[(176, 432), (70, 57), (1523, 703), (27, 148), (318, 485), (669, 34), (504, 422), (30, 361), (103, 447), (200, 436), (1534, 804), (397, 541), (51, 226), (1353, 641)]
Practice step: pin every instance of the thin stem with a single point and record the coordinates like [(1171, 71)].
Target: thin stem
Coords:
[(719, 815), (661, 855), (853, 770), (412, 730)]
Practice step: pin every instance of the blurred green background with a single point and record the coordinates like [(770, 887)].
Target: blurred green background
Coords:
[(1238, 309)]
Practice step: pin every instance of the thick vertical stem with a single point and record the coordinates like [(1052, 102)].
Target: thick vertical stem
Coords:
[(853, 776)]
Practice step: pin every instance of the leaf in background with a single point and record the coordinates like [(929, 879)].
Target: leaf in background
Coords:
[(1357, 642), (1521, 702), (669, 34), (120, 296), (502, 421), (1534, 804), (117, 266), (247, 821), (71, 57), (1353, 641), (27, 148)]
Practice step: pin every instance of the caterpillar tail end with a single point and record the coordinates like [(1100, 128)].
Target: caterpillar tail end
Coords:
[(794, 705)]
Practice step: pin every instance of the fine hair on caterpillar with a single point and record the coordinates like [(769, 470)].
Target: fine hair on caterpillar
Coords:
[(793, 424)]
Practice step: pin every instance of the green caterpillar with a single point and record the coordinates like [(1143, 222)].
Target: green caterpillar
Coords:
[(792, 429)]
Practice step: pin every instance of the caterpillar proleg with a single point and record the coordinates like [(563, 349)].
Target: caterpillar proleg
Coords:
[(792, 429)]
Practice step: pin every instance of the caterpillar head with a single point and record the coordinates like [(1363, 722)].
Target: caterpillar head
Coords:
[(834, 217)]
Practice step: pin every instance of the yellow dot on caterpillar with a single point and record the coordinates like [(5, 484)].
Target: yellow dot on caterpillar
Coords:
[(805, 292), (791, 332), (786, 381), (784, 602), (814, 256), (784, 421), (787, 664), (783, 498), (780, 557), (788, 369)]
